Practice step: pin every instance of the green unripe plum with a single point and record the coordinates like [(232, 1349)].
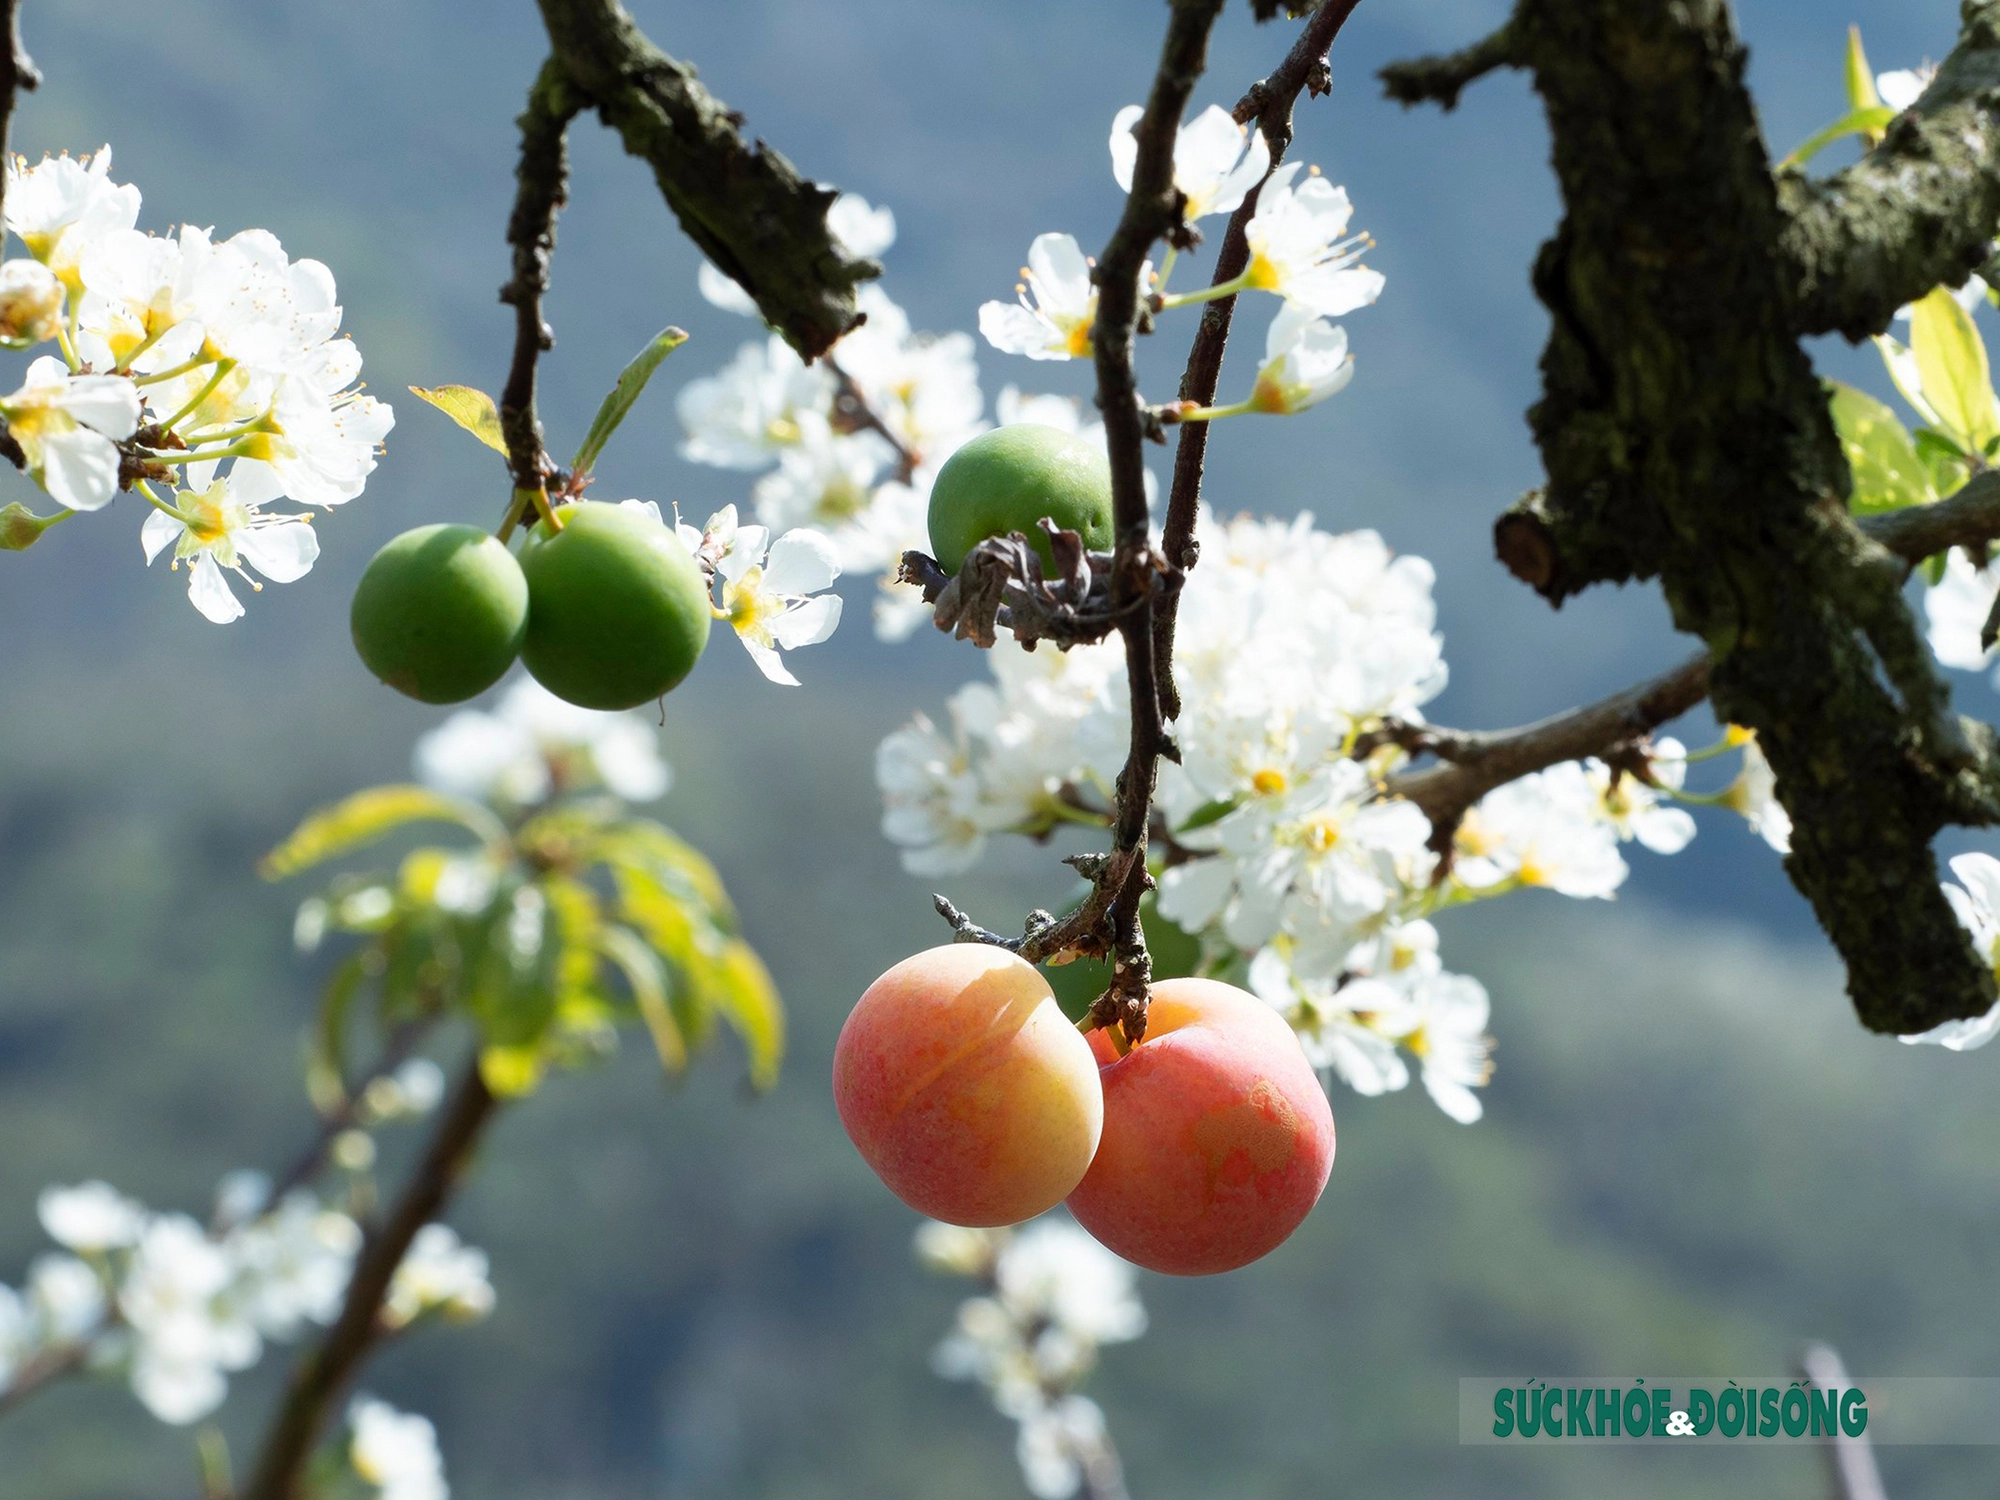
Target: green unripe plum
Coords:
[(440, 613), (1008, 479), (618, 611)]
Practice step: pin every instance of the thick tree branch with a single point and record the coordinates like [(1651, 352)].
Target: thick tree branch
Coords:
[(1268, 103), (1440, 80), (1477, 761), (1918, 211), (1687, 439), (542, 184), (320, 1375), (744, 205)]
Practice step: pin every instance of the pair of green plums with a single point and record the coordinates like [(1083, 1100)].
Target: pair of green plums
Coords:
[(611, 611), (608, 613)]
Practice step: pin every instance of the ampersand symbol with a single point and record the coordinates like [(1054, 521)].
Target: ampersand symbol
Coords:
[(1678, 1425)]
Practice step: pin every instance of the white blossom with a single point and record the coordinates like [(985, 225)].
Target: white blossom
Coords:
[(1955, 610), (1300, 248), (533, 745), (69, 427), (1305, 361), (772, 592), (1754, 794), (1899, 88), (91, 1217), (31, 303), (1542, 830), (63, 205), (1216, 160), (438, 1273), (395, 1451), (1057, 323), (217, 532)]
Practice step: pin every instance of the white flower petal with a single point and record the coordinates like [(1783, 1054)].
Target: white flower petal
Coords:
[(283, 553), (809, 624), (801, 562), (769, 663), (210, 593)]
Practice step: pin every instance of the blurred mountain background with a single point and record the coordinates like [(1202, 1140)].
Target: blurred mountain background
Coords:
[(1693, 1159)]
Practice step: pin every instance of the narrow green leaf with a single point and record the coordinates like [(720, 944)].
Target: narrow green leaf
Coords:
[(1951, 364), (21, 528), (749, 1002), (1207, 813), (647, 980), (367, 816), (1860, 77), (471, 409), (1862, 122), (617, 405), (326, 1057), (1888, 472)]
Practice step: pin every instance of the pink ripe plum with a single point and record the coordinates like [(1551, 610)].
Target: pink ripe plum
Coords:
[(965, 1087), (1217, 1135)]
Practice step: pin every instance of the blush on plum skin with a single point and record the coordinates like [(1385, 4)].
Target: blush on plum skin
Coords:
[(964, 1086), (1217, 1136)]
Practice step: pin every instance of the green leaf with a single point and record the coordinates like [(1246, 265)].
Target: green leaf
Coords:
[(1888, 472), (749, 1002), (647, 981), (1951, 365), (618, 404), (1209, 812), (1948, 467), (1860, 77), (367, 816), (1862, 122), (471, 409), (21, 528), (326, 1057)]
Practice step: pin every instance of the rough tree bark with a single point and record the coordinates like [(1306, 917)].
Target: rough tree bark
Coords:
[(1687, 439)]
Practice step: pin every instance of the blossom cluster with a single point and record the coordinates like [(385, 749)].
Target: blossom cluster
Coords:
[(211, 369), (1294, 645), (850, 446), (176, 1306), (1053, 1296)]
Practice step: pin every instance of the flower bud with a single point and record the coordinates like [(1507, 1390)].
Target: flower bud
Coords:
[(31, 303)]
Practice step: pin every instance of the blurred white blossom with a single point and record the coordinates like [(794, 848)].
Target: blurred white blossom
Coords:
[(533, 746), (1053, 1296), (395, 1451), (439, 1273)]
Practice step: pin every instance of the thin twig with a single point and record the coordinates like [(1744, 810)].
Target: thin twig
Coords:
[(542, 187), (44, 1369), (320, 1375), (1475, 762), (1143, 585), (1269, 103), (307, 1164), (854, 412)]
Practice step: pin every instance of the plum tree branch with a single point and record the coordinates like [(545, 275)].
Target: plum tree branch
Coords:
[(1687, 439), (542, 187), (321, 1374), (1916, 212), (1141, 585), (743, 204)]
